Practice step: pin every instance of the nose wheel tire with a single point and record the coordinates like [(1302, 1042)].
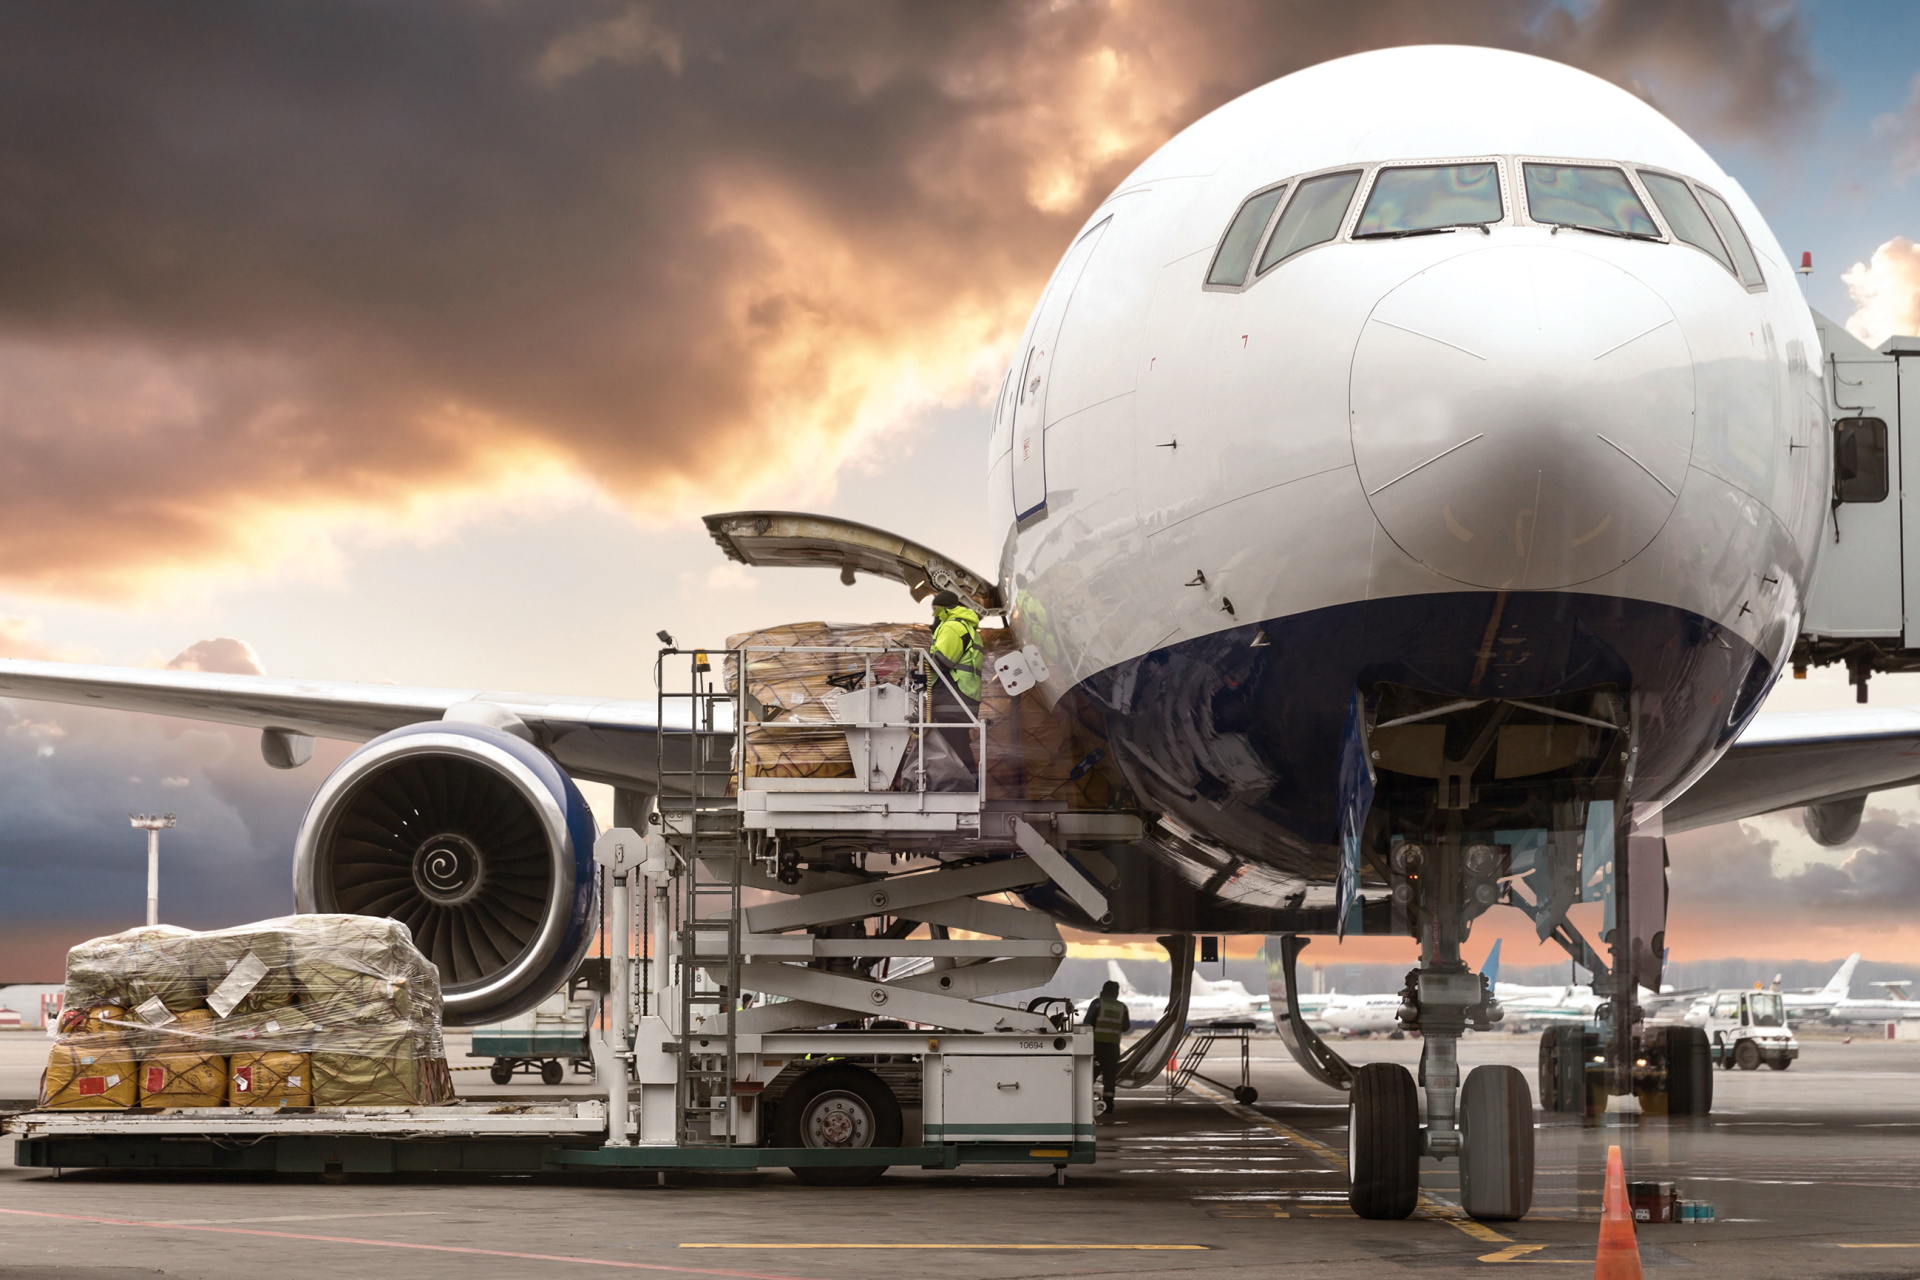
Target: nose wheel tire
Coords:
[(838, 1108), (1383, 1142), (1496, 1144)]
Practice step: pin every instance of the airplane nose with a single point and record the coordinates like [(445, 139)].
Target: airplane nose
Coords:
[(1522, 416)]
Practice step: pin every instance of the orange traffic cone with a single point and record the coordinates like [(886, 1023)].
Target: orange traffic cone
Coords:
[(1619, 1256)]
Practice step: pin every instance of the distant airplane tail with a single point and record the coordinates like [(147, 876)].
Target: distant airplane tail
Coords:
[(1113, 972), (1842, 980), (1492, 967)]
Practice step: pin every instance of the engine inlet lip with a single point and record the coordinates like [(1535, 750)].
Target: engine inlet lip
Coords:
[(449, 869)]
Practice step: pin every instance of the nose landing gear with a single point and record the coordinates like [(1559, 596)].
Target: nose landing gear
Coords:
[(1488, 1125)]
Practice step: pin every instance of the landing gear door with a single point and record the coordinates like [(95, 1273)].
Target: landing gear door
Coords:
[(1033, 369)]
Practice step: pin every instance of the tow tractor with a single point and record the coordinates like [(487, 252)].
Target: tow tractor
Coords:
[(787, 1014), (1747, 1028)]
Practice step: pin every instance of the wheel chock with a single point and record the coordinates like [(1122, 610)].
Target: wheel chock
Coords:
[(1619, 1254)]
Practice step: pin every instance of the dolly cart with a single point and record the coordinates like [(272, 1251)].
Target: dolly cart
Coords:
[(537, 1043)]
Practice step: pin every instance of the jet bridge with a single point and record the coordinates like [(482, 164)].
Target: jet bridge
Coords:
[(1863, 608)]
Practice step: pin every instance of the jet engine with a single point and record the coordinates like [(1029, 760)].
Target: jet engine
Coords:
[(474, 839), (1834, 822)]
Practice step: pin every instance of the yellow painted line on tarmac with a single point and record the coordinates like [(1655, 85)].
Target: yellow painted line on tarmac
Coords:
[(1431, 1207), (1519, 1252), (867, 1245)]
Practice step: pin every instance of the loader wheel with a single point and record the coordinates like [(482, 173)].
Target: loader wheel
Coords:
[(1746, 1055), (838, 1108)]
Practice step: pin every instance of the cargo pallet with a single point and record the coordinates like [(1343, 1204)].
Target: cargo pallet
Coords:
[(853, 1017)]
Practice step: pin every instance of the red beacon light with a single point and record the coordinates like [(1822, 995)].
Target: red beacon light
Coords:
[(1806, 263)]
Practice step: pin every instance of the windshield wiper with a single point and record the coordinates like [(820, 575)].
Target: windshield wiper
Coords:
[(1423, 231), (1558, 227)]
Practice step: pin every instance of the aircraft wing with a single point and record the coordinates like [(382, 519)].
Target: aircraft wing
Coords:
[(599, 739), (1787, 759)]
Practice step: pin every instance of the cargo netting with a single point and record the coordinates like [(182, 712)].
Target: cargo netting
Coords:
[(303, 1011), (795, 672)]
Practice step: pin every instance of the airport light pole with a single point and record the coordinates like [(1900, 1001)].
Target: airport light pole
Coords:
[(153, 824)]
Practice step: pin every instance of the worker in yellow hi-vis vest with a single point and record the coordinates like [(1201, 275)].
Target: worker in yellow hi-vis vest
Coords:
[(957, 652), (1107, 1015)]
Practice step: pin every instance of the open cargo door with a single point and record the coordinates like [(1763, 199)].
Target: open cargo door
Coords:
[(794, 539)]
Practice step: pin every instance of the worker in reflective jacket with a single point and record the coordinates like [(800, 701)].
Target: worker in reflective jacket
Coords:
[(1107, 1015), (958, 654)]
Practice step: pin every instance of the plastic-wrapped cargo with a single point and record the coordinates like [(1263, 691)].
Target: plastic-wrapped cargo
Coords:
[(269, 1078), (321, 1010), (90, 1077), (180, 1062), (1032, 753)]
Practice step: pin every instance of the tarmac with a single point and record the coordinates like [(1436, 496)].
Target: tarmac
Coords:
[(1812, 1172)]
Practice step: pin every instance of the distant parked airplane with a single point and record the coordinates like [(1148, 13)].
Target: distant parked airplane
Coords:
[(1211, 1001)]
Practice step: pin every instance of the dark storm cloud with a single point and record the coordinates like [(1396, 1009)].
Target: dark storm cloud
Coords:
[(1730, 871), (266, 265), (71, 866)]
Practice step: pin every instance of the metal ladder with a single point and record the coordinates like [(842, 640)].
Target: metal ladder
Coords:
[(700, 819)]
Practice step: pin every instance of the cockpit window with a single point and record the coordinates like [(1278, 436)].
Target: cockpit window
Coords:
[(1736, 238), (1685, 216), (1432, 197), (1243, 237), (1313, 217), (1596, 197)]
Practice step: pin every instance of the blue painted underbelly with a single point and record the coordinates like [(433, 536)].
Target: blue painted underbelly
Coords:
[(1238, 740)]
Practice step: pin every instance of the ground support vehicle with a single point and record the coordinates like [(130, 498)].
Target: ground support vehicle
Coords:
[(809, 1030), (1747, 1028), (537, 1043)]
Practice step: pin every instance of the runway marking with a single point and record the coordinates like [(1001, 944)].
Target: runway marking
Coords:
[(1435, 1209), (1197, 1247), (403, 1244), (1874, 1246)]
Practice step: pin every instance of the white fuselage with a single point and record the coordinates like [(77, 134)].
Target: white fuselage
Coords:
[(1504, 461), (1359, 1015)]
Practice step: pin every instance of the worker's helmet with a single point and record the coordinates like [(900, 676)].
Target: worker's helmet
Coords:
[(1110, 989), (945, 600)]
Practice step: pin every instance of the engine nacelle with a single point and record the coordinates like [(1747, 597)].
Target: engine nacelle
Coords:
[(1834, 822), (476, 841)]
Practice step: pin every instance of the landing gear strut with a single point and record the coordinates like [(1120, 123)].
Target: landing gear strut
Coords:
[(1489, 1125)]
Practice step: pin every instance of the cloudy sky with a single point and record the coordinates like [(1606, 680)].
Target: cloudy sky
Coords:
[(405, 342)]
